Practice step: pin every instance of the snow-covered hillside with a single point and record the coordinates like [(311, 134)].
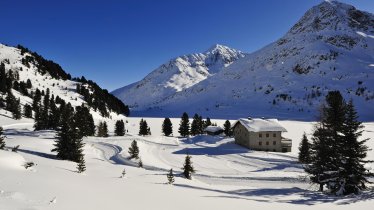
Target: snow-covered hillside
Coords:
[(227, 175), (330, 48), (43, 74), (177, 75)]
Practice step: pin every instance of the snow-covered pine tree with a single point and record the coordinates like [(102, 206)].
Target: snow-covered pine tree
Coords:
[(27, 111), (2, 138), (184, 125), (227, 128), (3, 78), (68, 144), (167, 127), (102, 130), (13, 105), (353, 176), (170, 176), (140, 163), (134, 150), (119, 129), (188, 169), (84, 121), (143, 128), (17, 111), (326, 146), (54, 116), (304, 150), (195, 125), (81, 166)]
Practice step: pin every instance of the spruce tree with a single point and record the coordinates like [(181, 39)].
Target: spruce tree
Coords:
[(170, 176), (81, 166), (27, 111), (140, 163), (143, 128), (167, 127), (326, 143), (10, 101), (2, 138), (119, 129), (227, 128), (184, 125), (195, 125), (54, 116), (84, 121), (3, 78), (17, 112), (68, 144), (353, 176), (102, 129), (304, 150), (134, 150), (188, 169)]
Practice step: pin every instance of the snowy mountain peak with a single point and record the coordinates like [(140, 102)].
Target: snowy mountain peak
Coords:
[(336, 16), (330, 48), (177, 75)]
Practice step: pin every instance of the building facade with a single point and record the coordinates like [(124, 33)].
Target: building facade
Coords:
[(261, 134)]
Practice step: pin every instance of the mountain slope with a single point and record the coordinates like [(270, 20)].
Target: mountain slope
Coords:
[(177, 75), (330, 48), (23, 66)]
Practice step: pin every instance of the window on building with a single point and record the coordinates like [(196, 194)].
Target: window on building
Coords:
[(267, 143), (274, 142), (260, 135), (267, 135), (274, 135), (260, 143)]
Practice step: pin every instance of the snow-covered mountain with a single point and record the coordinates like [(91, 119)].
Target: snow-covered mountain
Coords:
[(330, 48), (177, 75), (23, 66)]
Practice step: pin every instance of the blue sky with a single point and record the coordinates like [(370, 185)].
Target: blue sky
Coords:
[(119, 42)]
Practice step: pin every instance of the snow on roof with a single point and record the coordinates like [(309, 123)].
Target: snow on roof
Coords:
[(259, 125), (213, 129)]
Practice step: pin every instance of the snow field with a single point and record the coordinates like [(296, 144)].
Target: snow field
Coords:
[(228, 176)]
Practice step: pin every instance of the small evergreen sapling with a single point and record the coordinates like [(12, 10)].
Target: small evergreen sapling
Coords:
[(15, 148), (188, 169), (140, 163), (167, 127), (304, 150), (170, 176), (134, 150), (123, 173), (184, 126)]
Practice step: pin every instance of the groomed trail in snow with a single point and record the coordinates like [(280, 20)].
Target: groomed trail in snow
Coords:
[(227, 175)]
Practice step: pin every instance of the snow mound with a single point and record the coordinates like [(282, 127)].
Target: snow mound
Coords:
[(11, 160)]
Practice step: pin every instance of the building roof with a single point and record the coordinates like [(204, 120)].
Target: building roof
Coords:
[(260, 125), (213, 129)]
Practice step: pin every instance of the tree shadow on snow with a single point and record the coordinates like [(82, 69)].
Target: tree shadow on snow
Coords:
[(45, 134), (40, 154), (279, 195), (202, 139), (221, 149)]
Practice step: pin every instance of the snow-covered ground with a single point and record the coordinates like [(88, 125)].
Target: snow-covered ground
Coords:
[(228, 176)]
